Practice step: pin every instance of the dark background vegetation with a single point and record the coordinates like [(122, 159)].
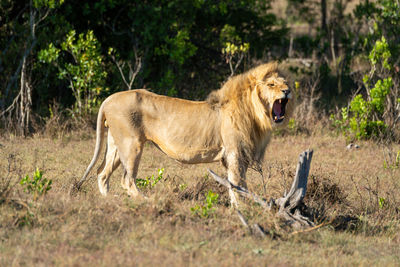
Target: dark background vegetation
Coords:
[(176, 48)]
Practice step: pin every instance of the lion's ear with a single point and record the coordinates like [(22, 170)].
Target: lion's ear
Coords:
[(261, 75), (267, 70), (214, 99), (253, 80)]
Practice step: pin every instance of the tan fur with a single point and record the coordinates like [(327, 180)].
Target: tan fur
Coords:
[(233, 126)]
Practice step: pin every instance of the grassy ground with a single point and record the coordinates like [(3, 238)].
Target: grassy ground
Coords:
[(350, 191)]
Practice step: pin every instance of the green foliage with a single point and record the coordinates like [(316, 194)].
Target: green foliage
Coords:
[(37, 185), (392, 163), (178, 42), (47, 3), (381, 202), (357, 122), (168, 82), (234, 48), (207, 208), (365, 118), (178, 48), (27, 219), (233, 43), (292, 125), (379, 94), (85, 73), (380, 52), (182, 186), (150, 182)]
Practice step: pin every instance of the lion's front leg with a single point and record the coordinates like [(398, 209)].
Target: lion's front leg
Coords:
[(236, 175)]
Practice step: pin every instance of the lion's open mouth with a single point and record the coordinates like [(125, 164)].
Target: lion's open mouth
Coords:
[(278, 110)]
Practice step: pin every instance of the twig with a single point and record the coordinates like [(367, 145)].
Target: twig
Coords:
[(242, 219), (243, 191), (312, 228)]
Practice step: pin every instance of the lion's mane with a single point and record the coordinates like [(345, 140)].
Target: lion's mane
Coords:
[(238, 100)]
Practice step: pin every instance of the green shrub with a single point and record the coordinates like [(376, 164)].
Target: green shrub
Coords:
[(365, 118), (37, 185), (208, 208), (150, 182), (85, 74)]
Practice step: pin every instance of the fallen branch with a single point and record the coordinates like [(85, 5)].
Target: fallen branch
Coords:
[(289, 205), (241, 190), (311, 229)]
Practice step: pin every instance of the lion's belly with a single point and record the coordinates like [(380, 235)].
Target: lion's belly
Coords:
[(200, 156), (192, 155)]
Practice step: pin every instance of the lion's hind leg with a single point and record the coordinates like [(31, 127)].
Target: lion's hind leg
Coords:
[(110, 163), (130, 156)]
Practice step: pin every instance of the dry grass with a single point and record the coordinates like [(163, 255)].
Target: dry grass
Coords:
[(344, 191)]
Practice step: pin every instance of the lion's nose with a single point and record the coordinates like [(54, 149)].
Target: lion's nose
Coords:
[(286, 92)]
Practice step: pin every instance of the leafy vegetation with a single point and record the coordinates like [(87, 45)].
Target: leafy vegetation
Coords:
[(207, 208), (150, 182), (376, 111), (37, 185), (85, 74), (74, 55)]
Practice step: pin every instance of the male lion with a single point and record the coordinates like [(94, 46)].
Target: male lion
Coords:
[(232, 126)]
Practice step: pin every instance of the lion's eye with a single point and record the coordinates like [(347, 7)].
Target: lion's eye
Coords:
[(270, 85)]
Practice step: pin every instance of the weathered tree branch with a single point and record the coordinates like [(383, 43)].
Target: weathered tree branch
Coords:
[(242, 191), (299, 186), (289, 205)]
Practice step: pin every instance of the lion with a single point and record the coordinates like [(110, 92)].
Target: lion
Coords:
[(233, 126)]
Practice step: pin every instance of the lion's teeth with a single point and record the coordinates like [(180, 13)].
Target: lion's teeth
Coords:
[(280, 101)]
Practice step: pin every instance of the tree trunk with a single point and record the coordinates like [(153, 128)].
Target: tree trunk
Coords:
[(25, 104), (324, 26)]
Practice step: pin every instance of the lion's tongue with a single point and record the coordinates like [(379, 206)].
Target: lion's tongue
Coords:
[(277, 110)]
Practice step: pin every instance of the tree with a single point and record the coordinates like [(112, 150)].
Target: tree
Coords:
[(32, 15), (85, 73)]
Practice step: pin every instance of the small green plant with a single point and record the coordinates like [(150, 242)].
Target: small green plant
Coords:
[(381, 202), (182, 186), (37, 186), (208, 208), (28, 219), (292, 126), (150, 182), (392, 164)]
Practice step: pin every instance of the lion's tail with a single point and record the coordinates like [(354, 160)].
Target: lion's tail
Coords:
[(100, 129)]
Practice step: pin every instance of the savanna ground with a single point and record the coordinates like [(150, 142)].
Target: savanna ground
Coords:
[(352, 192)]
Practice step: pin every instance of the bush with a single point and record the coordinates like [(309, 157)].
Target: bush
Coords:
[(150, 182), (375, 116), (37, 186), (85, 73), (208, 208)]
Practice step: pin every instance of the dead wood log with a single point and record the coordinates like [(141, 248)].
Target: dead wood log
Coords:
[(241, 190), (289, 206)]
